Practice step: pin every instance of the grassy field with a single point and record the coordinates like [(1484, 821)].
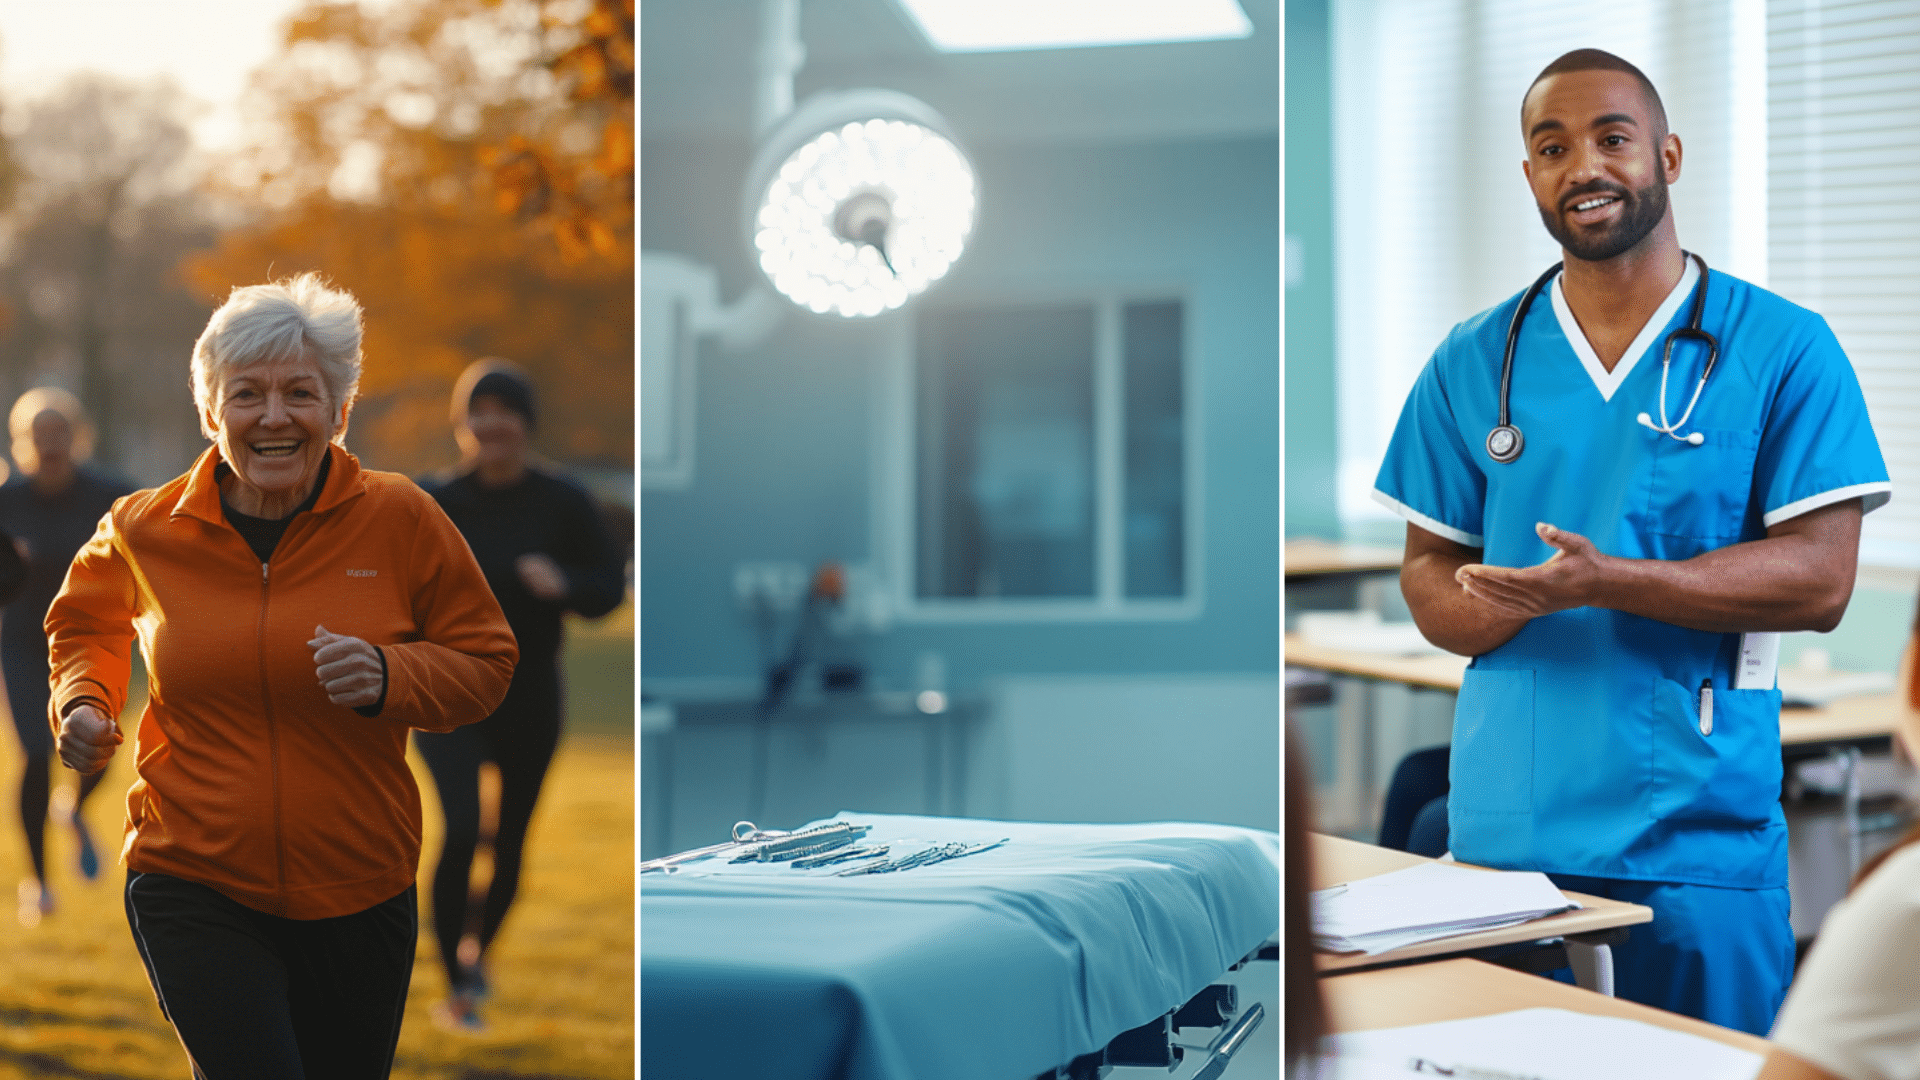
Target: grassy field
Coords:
[(74, 1001)]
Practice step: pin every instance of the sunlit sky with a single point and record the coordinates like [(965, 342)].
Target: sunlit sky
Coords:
[(208, 46)]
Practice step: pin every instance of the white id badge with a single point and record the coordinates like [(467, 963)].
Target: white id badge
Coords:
[(1759, 661)]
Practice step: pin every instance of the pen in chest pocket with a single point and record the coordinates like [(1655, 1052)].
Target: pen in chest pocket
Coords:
[(1706, 707)]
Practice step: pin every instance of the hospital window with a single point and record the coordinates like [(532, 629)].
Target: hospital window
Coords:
[(1050, 455)]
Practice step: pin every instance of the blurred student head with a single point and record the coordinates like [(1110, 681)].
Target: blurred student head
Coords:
[(1906, 740), (1306, 1011)]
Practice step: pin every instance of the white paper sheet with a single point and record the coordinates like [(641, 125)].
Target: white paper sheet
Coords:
[(1759, 661), (1429, 901), (1537, 1044), (1387, 941)]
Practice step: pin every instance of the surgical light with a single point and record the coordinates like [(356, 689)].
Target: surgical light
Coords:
[(858, 201), (995, 25)]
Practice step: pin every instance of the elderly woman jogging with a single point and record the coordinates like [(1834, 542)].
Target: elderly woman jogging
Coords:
[(298, 616)]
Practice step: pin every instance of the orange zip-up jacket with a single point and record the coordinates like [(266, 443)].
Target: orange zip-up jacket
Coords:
[(251, 782)]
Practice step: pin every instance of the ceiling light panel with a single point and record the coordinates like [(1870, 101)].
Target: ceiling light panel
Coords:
[(1000, 25)]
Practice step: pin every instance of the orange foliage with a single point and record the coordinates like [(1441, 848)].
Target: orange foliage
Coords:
[(463, 230), (582, 195)]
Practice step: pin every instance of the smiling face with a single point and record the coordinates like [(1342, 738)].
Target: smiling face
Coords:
[(272, 424), (1599, 159)]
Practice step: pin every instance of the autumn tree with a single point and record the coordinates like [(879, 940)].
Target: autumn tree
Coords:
[(378, 138), (107, 206), (577, 177)]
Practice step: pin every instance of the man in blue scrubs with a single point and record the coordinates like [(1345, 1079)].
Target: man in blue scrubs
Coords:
[(1619, 587)]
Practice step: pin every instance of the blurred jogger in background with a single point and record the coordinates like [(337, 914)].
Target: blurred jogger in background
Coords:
[(49, 509), (545, 551)]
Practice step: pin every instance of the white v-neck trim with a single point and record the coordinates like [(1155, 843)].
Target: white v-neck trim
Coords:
[(1608, 381)]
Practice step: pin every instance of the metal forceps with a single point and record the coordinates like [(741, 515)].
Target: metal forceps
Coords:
[(745, 834)]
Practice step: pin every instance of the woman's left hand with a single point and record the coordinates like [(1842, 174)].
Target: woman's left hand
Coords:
[(349, 668)]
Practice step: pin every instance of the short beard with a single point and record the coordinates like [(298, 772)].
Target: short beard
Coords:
[(1643, 211)]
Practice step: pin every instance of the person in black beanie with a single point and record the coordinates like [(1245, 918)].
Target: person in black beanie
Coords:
[(545, 551)]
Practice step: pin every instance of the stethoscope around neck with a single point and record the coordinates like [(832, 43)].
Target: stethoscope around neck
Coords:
[(1505, 442)]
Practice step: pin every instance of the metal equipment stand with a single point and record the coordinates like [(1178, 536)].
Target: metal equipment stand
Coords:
[(1151, 1045)]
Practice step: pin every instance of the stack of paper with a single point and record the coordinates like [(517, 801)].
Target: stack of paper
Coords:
[(1427, 902), (1552, 1044)]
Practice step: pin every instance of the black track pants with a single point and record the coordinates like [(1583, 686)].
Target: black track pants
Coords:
[(25, 673), (519, 738), (257, 997)]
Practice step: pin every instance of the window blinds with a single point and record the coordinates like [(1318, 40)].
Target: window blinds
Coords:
[(1843, 224), (1433, 219)]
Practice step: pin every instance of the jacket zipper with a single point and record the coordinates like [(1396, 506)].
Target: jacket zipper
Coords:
[(273, 747)]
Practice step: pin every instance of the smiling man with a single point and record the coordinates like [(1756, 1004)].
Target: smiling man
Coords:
[(1617, 497)]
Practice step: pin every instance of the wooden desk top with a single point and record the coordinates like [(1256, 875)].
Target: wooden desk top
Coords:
[(1459, 989), (1337, 861), (1308, 557), (1439, 671), (1867, 716)]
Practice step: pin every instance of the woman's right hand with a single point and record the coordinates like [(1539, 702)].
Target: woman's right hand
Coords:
[(87, 740)]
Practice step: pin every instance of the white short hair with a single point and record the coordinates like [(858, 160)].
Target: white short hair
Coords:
[(298, 317)]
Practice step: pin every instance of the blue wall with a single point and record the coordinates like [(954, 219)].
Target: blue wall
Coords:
[(783, 433)]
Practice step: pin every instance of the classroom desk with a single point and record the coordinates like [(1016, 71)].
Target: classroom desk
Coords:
[(1434, 671), (1461, 988), (1866, 722), (1843, 730), (1306, 558), (1337, 861)]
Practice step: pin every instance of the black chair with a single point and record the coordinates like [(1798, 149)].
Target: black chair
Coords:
[(1415, 816)]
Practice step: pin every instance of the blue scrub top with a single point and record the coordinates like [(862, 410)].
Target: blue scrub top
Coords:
[(1576, 745)]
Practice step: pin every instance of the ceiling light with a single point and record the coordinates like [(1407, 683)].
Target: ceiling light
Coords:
[(858, 201), (994, 25)]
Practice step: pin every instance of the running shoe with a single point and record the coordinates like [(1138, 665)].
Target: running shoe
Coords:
[(89, 858), (36, 903), (458, 1015), (474, 982)]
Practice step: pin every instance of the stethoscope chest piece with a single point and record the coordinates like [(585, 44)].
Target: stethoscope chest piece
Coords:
[(1504, 443)]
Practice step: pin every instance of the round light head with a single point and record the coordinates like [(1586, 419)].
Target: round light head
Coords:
[(858, 201)]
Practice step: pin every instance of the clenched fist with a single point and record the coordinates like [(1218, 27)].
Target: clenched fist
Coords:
[(347, 667), (87, 740)]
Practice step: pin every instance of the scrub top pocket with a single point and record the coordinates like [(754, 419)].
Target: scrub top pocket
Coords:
[(1701, 492), (1491, 771), (1730, 778)]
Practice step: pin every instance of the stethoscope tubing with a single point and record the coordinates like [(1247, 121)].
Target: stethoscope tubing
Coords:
[(1505, 441)]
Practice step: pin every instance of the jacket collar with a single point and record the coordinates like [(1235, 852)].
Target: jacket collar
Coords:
[(201, 497)]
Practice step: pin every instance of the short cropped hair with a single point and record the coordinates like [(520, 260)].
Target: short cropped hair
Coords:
[(28, 408), (1600, 60), (293, 318)]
